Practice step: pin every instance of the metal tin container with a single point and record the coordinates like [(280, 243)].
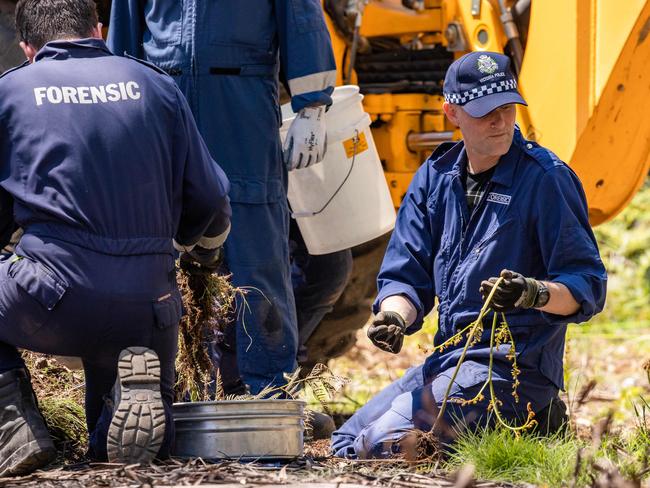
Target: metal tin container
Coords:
[(240, 429)]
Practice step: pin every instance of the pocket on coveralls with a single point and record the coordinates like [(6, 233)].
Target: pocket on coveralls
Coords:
[(42, 286), (248, 23), (167, 310)]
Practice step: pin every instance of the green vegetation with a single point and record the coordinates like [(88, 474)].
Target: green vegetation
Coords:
[(60, 394), (66, 421), (500, 455), (625, 247), (631, 451)]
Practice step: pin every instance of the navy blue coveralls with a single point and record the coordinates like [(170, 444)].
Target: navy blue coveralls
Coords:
[(106, 167), (226, 55), (532, 219)]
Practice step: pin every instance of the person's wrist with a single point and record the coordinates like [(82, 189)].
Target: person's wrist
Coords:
[(401, 305)]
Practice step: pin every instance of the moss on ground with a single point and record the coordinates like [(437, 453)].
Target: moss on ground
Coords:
[(60, 394)]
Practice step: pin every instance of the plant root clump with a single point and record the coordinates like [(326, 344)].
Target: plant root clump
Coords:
[(420, 446), (210, 301), (427, 446)]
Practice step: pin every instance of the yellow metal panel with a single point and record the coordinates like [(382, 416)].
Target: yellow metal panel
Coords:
[(433, 122), (418, 101), (391, 103), (398, 184), (391, 141), (613, 151), (577, 49), (614, 20), (390, 18), (488, 21), (379, 104), (548, 79)]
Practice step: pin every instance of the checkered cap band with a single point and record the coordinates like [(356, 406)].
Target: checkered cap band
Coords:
[(481, 91)]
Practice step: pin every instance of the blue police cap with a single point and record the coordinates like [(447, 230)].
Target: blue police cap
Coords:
[(481, 82)]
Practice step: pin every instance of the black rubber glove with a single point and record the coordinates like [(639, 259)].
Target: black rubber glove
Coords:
[(515, 291), (387, 331), (201, 260)]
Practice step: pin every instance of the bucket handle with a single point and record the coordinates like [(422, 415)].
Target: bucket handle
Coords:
[(341, 134), (355, 139)]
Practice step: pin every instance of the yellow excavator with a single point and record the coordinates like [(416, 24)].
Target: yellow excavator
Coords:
[(583, 66)]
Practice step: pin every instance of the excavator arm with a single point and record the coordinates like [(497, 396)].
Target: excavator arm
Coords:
[(586, 79)]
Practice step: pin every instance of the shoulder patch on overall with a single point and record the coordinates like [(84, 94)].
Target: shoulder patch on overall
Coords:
[(147, 63), (546, 158), (11, 70)]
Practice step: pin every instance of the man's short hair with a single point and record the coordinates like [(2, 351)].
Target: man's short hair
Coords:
[(41, 21)]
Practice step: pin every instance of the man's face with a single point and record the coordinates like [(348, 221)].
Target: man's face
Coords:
[(489, 136)]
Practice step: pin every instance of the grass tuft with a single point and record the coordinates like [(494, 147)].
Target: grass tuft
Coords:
[(60, 394), (630, 451), (501, 455), (65, 420)]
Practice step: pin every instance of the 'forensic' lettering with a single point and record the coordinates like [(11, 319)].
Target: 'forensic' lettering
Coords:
[(113, 92)]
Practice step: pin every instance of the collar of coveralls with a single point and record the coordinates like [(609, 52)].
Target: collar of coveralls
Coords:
[(453, 161), (73, 48)]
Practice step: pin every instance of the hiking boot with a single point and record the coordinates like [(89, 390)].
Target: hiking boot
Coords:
[(322, 425), (25, 443), (137, 429)]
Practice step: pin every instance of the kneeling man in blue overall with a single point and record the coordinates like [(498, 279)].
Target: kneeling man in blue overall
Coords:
[(104, 169), (492, 205)]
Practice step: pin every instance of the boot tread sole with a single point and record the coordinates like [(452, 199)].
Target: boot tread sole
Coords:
[(137, 429)]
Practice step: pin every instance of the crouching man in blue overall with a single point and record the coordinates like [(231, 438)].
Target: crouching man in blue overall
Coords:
[(491, 205), (106, 169)]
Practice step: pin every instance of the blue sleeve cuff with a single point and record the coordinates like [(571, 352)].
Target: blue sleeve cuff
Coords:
[(589, 293), (393, 288), (321, 97)]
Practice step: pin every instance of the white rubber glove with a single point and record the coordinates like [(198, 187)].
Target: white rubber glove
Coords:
[(306, 140)]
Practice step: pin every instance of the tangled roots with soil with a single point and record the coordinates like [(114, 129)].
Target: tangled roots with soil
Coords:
[(419, 445), (210, 302)]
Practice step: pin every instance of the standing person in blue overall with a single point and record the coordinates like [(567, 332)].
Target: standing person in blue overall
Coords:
[(491, 205), (106, 169), (226, 57)]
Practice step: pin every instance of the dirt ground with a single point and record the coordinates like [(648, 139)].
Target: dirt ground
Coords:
[(307, 471)]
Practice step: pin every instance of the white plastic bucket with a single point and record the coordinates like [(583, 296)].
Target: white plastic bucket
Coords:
[(343, 201)]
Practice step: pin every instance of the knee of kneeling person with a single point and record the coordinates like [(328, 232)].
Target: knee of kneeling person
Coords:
[(381, 438)]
